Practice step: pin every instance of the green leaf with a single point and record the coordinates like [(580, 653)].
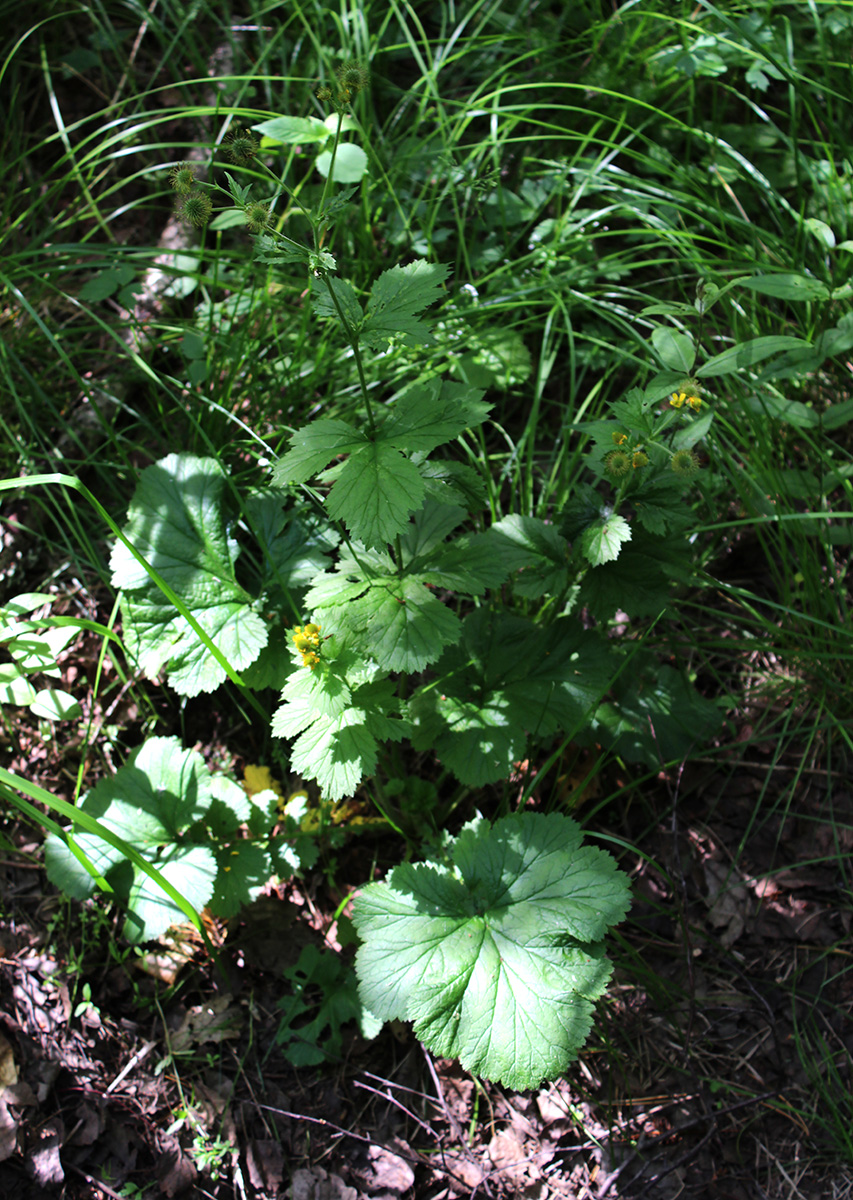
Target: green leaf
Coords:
[(509, 679), (177, 524), (787, 286), (392, 616), (160, 792), (660, 508), (339, 751), (675, 349), (747, 354), (640, 581), (536, 550), (242, 871), (319, 983), (450, 482), (53, 705), (293, 130), (350, 163), (601, 542), (375, 493), (497, 959), (691, 434), (313, 447), (657, 717), (396, 298), (191, 869), (15, 688), (821, 231), (780, 408), (432, 413), (348, 301)]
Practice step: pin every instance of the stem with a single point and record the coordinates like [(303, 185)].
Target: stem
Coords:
[(320, 234), (352, 338)]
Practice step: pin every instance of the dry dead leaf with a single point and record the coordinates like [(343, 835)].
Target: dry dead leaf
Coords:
[(384, 1172), (265, 1161), (218, 1021), (8, 1070), (43, 1164), (506, 1152), (730, 901), (313, 1183)]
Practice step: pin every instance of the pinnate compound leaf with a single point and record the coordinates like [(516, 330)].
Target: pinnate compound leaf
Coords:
[(375, 493), (396, 298), (176, 522), (498, 958), (509, 680)]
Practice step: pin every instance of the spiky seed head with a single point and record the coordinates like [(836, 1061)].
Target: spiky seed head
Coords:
[(196, 210), (684, 463), (182, 178), (241, 146), (617, 464), (353, 77), (257, 216)]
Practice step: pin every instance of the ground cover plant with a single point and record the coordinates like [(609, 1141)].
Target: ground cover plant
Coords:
[(428, 443)]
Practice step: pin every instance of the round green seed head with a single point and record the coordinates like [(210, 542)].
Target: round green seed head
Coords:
[(196, 210), (684, 463), (182, 178), (617, 464), (257, 216), (241, 147)]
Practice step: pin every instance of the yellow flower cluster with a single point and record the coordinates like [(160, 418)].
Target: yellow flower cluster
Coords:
[(678, 399), (307, 642)]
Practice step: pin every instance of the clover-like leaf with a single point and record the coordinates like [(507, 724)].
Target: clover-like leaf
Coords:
[(498, 957)]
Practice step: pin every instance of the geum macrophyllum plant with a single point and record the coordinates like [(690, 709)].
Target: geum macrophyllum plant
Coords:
[(416, 621)]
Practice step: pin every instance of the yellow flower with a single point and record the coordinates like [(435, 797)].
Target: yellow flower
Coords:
[(307, 642), (677, 399)]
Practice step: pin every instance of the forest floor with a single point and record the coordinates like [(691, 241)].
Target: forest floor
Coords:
[(159, 1073)]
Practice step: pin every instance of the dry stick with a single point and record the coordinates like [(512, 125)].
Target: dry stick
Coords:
[(414, 1159), (454, 1124), (645, 1140), (143, 29)]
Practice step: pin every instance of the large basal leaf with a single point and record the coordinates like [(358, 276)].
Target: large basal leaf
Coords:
[(176, 523), (150, 802), (497, 959)]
